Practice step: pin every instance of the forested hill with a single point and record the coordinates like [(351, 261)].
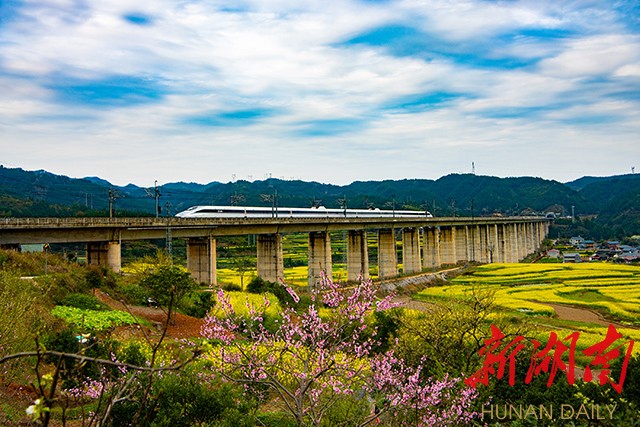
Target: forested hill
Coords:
[(615, 200)]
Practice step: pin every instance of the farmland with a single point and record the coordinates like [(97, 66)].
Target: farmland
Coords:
[(531, 291), (295, 248)]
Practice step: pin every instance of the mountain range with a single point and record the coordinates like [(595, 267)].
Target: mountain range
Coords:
[(609, 205)]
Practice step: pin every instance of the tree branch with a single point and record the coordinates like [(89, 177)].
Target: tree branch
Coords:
[(82, 358)]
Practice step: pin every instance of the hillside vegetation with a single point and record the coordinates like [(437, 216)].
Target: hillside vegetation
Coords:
[(609, 207), (354, 359)]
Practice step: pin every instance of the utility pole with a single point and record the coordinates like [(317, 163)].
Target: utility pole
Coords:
[(155, 194), (343, 204), (393, 204), (236, 198), (273, 198), (112, 199)]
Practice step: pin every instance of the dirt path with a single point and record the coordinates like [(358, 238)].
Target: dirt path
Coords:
[(576, 314), (563, 312), (183, 326), (411, 304)]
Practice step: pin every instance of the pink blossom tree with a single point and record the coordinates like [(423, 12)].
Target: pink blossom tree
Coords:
[(316, 357)]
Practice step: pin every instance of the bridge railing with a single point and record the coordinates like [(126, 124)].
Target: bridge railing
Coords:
[(186, 222)]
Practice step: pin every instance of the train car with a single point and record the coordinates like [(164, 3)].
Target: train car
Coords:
[(280, 212)]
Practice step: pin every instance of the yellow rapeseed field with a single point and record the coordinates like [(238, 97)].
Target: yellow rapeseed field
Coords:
[(612, 290)]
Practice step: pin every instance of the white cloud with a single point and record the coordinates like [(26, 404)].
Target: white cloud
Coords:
[(289, 60), (594, 56)]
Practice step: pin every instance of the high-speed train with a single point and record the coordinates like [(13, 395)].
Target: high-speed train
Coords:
[(319, 212)]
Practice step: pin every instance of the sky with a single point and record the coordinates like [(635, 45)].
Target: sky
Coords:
[(333, 91)]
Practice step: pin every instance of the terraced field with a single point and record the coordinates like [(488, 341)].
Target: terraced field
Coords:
[(538, 292)]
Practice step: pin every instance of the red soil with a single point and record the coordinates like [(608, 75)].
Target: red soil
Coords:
[(181, 326)]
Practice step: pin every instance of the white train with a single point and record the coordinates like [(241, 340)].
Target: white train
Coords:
[(319, 212)]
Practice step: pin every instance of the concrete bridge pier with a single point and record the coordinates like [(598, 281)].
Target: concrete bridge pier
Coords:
[(496, 243), (543, 230), (483, 240), (462, 247), (541, 233), (522, 241), (105, 254), (535, 231), (448, 245), (474, 243), (528, 241), (201, 259), (357, 255), (512, 239), (319, 256), (387, 254), (270, 260), (431, 247), (411, 261)]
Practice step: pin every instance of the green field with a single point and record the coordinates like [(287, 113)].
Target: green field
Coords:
[(525, 291), (295, 255)]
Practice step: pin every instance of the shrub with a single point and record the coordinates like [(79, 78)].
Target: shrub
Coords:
[(132, 354), (276, 419), (83, 301), (19, 312), (259, 286), (181, 399), (62, 284), (94, 276), (168, 284), (63, 341), (347, 411), (134, 294), (200, 303), (631, 386), (627, 403), (231, 287)]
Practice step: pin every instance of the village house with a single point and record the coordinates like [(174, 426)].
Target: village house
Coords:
[(613, 245), (571, 257), (575, 241), (553, 253), (588, 245)]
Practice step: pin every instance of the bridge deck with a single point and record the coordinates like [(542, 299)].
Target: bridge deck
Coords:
[(60, 230)]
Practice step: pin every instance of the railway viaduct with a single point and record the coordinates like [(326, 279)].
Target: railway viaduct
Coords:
[(426, 242)]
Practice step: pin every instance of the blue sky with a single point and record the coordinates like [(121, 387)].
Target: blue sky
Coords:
[(333, 91)]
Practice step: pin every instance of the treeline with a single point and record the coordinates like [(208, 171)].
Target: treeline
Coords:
[(608, 207)]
